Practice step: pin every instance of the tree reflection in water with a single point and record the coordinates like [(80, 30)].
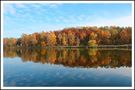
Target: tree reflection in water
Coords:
[(73, 57)]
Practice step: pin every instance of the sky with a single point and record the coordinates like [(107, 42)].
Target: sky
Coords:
[(19, 18)]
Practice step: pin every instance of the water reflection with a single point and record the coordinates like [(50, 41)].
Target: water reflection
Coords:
[(73, 57)]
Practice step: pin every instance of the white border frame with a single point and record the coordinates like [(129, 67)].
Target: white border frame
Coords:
[(132, 2)]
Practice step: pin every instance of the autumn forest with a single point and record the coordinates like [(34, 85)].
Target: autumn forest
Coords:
[(75, 36)]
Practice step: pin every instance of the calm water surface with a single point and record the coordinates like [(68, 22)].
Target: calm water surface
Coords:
[(67, 67)]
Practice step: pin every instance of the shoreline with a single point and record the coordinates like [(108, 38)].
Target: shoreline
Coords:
[(127, 46)]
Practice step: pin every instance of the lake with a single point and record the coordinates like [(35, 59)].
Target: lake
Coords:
[(63, 67)]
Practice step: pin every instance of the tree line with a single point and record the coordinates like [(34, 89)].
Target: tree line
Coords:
[(75, 36)]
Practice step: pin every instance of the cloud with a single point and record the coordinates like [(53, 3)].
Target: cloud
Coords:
[(26, 10), (123, 21), (20, 5), (8, 8), (120, 21), (53, 5), (41, 5)]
